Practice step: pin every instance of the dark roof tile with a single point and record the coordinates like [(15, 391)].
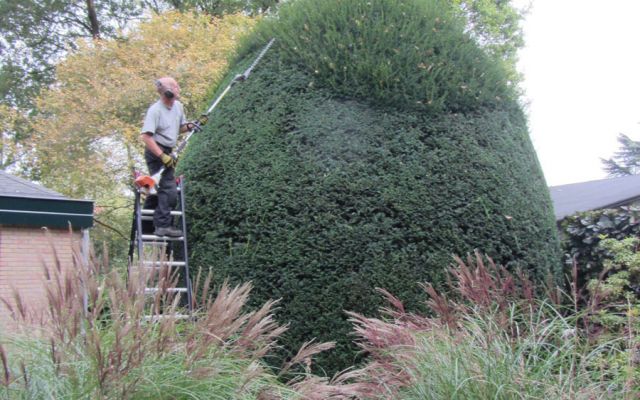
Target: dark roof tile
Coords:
[(594, 195), (12, 186)]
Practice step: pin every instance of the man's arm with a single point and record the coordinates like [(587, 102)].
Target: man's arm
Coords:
[(187, 127), (151, 144), (184, 125)]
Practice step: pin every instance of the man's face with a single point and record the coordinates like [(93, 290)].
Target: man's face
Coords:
[(171, 93), (169, 90)]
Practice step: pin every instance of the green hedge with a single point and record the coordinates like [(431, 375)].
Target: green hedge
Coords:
[(318, 193)]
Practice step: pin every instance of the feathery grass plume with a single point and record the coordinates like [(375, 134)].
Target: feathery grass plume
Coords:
[(5, 366), (303, 357)]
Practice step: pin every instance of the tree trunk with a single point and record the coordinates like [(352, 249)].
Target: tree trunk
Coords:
[(93, 19)]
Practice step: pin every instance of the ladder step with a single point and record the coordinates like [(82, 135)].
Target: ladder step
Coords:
[(154, 318), (146, 211), (152, 264), (159, 244), (154, 238), (168, 290)]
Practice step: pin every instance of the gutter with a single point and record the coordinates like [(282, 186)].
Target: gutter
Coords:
[(49, 212)]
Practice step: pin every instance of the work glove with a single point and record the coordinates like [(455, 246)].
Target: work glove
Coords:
[(193, 126), (202, 120), (169, 160)]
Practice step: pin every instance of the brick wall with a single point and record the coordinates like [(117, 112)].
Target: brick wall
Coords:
[(23, 253)]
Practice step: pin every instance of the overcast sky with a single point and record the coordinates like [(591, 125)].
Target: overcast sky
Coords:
[(582, 66)]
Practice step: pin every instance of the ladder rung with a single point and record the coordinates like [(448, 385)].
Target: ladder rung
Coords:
[(159, 244), (168, 290), (145, 211), (154, 238), (154, 318), (163, 263)]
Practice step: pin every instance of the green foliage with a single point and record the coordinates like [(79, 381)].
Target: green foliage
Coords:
[(604, 245), (321, 187), (623, 269), (36, 34), (222, 7), (619, 287), (495, 24), (406, 54), (625, 161), (158, 377), (583, 232)]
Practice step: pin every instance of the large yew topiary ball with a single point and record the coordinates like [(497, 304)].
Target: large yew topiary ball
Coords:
[(375, 140)]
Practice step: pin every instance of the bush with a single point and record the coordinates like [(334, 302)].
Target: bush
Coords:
[(617, 292), (491, 339), (319, 187), (583, 232)]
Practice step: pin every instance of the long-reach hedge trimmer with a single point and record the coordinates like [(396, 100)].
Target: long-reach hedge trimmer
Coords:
[(147, 184)]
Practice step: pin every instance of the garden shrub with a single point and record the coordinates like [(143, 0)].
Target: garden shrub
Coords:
[(375, 140), (583, 232)]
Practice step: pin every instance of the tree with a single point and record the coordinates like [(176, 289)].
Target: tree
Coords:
[(222, 7), (376, 139), (11, 122), (625, 161), (37, 34), (34, 36), (496, 26)]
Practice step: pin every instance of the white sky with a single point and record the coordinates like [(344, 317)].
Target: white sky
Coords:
[(582, 81)]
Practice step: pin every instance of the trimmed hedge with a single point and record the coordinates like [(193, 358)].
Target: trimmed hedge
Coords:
[(318, 193)]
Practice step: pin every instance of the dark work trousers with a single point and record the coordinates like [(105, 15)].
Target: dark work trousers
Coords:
[(167, 196)]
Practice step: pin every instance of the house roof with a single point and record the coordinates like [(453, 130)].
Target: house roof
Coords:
[(17, 187), (594, 195), (26, 203)]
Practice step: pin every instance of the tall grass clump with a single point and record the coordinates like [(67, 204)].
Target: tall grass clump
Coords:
[(489, 339), (101, 337)]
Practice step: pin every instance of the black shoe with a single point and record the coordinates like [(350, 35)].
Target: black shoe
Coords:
[(168, 231)]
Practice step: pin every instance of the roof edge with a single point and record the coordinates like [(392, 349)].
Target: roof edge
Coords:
[(61, 198)]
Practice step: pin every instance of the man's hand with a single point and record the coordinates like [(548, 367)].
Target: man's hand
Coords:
[(169, 161), (193, 126)]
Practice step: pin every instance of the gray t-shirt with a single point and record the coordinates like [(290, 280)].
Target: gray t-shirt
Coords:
[(164, 123)]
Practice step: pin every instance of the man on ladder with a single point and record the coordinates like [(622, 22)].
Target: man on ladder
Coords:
[(164, 120)]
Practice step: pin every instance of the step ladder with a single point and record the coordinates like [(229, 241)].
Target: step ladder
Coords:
[(164, 260)]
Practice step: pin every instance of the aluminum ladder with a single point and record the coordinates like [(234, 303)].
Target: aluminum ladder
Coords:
[(163, 264)]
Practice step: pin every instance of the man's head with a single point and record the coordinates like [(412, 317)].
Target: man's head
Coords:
[(168, 89)]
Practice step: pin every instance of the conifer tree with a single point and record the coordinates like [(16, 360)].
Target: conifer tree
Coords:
[(625, 161)]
